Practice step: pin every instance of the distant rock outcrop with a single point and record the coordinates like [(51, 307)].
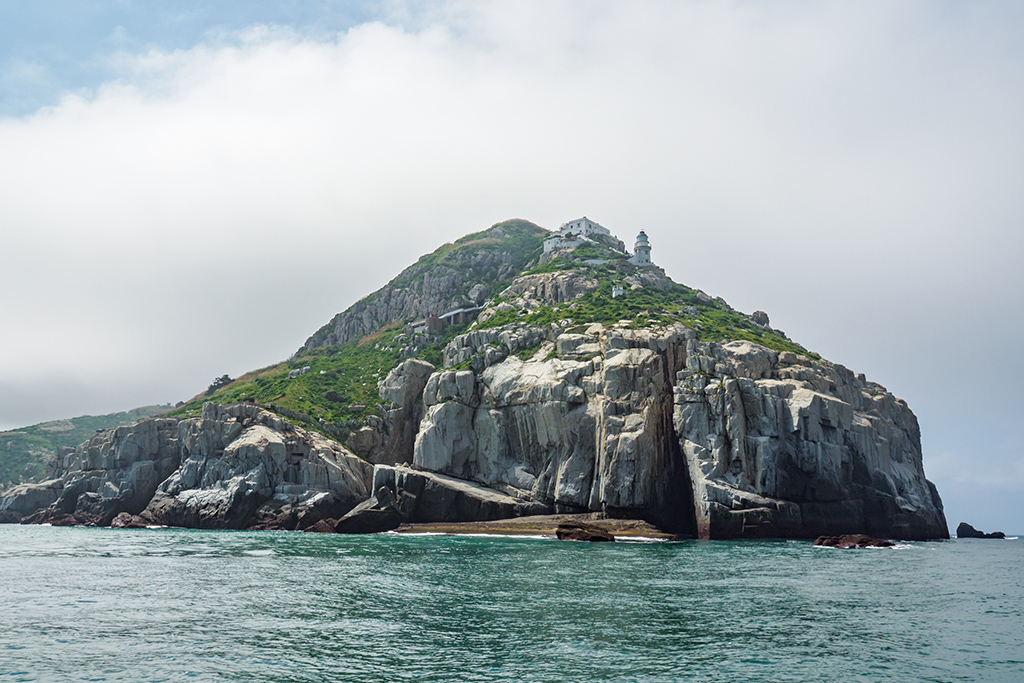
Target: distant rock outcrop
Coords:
[(965, 530)]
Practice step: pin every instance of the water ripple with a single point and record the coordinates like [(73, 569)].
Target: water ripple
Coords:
[(184, 605)]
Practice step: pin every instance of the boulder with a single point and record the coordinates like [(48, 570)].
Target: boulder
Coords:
[(323, 526), (126, 520), (582, 532), (368, 521), (852, 541), (431, 497), (965, 530)]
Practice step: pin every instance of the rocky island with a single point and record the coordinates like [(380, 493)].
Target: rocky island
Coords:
[(520, 372)]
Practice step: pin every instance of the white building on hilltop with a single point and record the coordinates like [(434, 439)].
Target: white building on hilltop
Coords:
[(575, 233), (641, 251)]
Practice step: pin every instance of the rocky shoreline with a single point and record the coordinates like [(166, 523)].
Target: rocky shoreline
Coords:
[(542, 525)]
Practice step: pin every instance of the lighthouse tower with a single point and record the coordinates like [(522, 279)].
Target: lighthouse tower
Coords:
[(641, 251)]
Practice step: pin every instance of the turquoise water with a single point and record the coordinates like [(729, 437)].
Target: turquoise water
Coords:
[(182, 605)]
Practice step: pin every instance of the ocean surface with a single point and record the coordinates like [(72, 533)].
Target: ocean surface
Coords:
[(183, 605)]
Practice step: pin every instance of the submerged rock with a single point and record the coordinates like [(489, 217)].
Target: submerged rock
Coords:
[(125, 520), (852, 541), (582, 532)]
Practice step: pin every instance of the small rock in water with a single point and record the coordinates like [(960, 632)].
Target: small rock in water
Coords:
[(324, 526), (582, 532), (852, 541), (126, 520), (965, 530)]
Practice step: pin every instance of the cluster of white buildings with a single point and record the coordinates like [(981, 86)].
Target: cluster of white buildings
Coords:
[(582, 230)]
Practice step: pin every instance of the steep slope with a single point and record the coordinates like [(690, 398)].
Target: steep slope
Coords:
[(454, 276)]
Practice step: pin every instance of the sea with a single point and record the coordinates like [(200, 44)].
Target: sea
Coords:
[(91, 604)]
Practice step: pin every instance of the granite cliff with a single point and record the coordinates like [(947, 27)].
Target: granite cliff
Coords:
[(580, 383)]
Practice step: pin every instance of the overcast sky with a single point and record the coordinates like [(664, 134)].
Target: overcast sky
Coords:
[(189, 189)]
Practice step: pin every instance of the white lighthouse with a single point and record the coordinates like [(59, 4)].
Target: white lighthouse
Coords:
[(641, 251)]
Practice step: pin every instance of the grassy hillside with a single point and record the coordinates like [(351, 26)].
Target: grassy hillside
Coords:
[(24, 451), (339, 387)]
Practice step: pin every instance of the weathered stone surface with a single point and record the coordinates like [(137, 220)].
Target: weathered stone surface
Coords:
[(572, 435), (403, 388), (965, 530), (115, 471), (368, 521), (10, 517), (780, 445), (236, 458), (431, 287), (716, 440), (24, 499), (430, 497)]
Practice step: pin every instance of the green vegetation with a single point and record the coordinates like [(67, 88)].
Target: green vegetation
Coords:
[(520, 239), (646, 307), (528, 353), (553, 266), (339, 386), (25, 451), (593, 250)]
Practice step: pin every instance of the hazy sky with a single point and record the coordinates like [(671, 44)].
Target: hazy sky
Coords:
[(189, 189)]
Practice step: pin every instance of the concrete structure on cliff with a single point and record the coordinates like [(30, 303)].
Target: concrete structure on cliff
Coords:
[(574, 233)]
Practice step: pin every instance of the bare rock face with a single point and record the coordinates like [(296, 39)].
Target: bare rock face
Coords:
[(574, 435), (237, 459), (25, 499), (726, 440), (436, 284), (780, 445), (233, 467), (421, 496), (116, 471), (402, 388)]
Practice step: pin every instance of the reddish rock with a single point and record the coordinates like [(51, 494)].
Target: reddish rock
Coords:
[(324, 526), (125, 520), (582, 532), (852, 541)]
